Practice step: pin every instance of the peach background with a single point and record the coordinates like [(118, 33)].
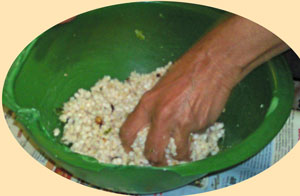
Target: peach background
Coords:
[(22, 21)]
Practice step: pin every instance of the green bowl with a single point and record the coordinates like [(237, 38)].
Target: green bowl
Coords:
[(103, 42)]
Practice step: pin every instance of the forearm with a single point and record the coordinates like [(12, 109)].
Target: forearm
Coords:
[(234, 47), (263, 58)]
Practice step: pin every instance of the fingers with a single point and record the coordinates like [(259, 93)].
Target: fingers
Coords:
[(134, 123), (157, 140), (182, 142)]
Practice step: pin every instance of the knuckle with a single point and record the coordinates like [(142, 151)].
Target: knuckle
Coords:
[(183, 125), (148, 95), (163, 113), (201, 123), (145, 101)]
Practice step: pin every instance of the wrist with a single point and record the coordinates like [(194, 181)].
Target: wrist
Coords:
[(200, 67), (227, 70)]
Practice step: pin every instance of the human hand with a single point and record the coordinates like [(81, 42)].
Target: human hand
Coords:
[(192, 94), (190, 97)]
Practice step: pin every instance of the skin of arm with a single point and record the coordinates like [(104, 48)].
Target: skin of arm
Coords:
[(192, 94)]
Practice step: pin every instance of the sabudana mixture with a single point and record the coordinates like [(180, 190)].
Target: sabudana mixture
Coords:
[(92, 120)]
